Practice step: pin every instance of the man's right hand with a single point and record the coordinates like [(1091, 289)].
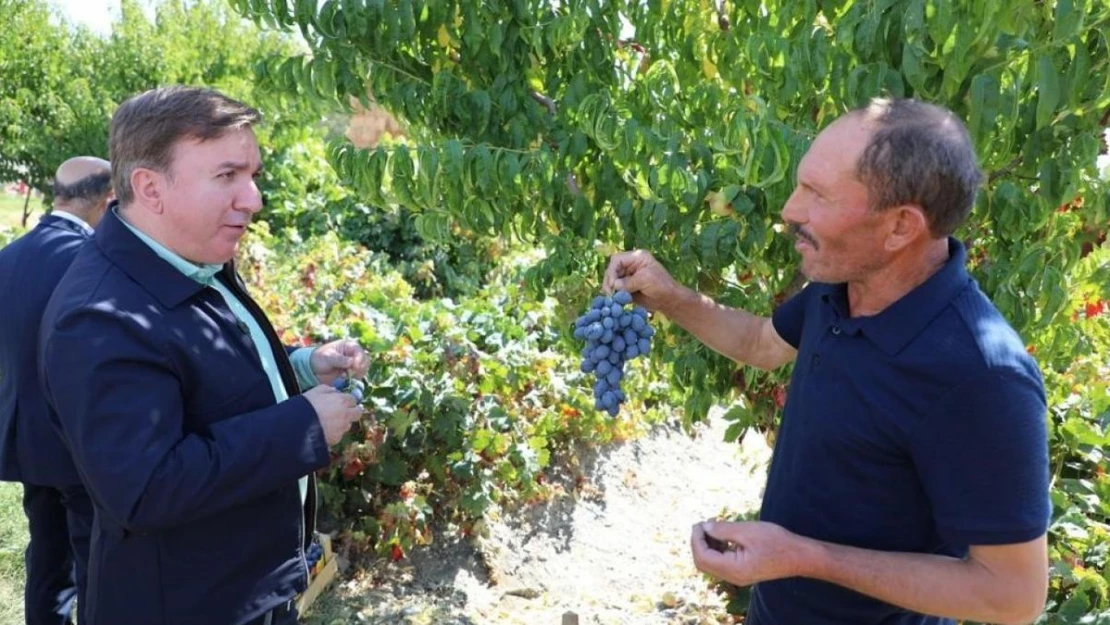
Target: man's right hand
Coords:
[(644, 278), (335, 409)]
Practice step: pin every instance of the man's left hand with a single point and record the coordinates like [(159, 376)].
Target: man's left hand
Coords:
[(757, 552), (339, 358)]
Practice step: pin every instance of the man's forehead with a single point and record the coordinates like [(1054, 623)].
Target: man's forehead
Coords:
[(234, 145), (837, 149)]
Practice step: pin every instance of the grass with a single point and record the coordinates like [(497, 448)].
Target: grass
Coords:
[(11, 210), (13, 539)]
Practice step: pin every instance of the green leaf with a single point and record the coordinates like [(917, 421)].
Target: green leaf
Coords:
[(983, 109), (1048, 89), (496, 39), (1069, 19)]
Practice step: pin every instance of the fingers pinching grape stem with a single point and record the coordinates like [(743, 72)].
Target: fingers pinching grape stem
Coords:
[(344, 384), (614, 333)]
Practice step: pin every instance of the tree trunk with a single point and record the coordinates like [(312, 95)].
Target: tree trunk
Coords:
[(26, 204)]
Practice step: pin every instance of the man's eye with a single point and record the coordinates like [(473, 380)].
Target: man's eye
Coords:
[(228, 175)]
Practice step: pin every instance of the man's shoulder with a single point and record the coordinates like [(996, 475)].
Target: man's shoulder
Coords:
[(995, 345), (93, 283)]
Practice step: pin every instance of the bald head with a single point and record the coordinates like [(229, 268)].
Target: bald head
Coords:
[(83, 187)]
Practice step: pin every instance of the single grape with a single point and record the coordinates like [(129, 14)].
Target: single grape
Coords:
[(614, 377)]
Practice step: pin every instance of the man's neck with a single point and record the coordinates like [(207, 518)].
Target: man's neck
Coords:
[(72, 215), (882, 288)]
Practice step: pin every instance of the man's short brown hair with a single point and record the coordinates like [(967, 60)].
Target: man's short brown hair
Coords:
[(146, 127)]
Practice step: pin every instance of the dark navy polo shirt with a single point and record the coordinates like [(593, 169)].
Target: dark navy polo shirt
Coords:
[(919, 429)]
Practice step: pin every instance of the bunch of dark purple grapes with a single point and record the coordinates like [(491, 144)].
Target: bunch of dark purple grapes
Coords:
[(313, 554), (346, 385), (614, 335)]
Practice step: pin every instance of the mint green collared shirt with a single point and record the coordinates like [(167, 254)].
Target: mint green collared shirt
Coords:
[(206, 275)]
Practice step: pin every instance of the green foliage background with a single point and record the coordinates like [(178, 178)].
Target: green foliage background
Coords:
[(586, 126), (567, 131)]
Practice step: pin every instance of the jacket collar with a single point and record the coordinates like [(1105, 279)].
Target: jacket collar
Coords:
[(66, 222), (135, 258)]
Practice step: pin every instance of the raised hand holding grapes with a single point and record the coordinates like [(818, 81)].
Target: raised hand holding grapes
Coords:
[(643, 277)]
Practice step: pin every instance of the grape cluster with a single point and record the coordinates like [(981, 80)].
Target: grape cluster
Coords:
[(614, 335), (346, 385), (313, 554)]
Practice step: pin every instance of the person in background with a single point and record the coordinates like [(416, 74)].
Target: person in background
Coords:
[(59, 514)]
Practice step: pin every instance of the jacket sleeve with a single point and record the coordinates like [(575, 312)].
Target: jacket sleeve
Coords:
[(119, 401)]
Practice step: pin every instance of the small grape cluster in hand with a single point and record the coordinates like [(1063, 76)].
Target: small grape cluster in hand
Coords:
[(614, 335), (313, 554), (346, 385)]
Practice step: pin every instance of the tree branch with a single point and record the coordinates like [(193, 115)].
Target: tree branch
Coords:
[(1005, 171), (572, 184), (545, 101)]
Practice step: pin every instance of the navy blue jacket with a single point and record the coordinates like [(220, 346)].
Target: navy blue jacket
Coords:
[(191, 465), (30, 267)]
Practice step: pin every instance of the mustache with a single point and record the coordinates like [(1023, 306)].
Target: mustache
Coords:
[(796, 231)]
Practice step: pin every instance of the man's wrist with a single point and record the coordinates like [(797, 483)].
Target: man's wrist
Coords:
[(301, 360), (813, 559), (681, 301)]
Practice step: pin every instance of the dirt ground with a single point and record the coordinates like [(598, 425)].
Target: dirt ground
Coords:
[(614, 550)]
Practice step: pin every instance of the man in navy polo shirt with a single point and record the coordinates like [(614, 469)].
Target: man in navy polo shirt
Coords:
[(909, 482)]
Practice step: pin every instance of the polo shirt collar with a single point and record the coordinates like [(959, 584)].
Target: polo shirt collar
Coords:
[(893, 328)]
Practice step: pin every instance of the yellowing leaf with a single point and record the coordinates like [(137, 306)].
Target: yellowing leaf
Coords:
[(443, 37), (708, 68)]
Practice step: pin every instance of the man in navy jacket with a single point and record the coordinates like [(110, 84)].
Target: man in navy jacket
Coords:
[(182, 410), (59, 515)]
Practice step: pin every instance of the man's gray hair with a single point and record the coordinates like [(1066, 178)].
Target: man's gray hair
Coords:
[(920, 154)]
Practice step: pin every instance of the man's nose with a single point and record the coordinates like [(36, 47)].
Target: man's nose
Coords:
[(251, 198), (793, 211)]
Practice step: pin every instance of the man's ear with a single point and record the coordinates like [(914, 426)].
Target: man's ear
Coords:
[(908, 223), (149, 188)]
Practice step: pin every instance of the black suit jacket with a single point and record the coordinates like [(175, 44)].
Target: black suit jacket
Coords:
[(31, 451), (191, 464)]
